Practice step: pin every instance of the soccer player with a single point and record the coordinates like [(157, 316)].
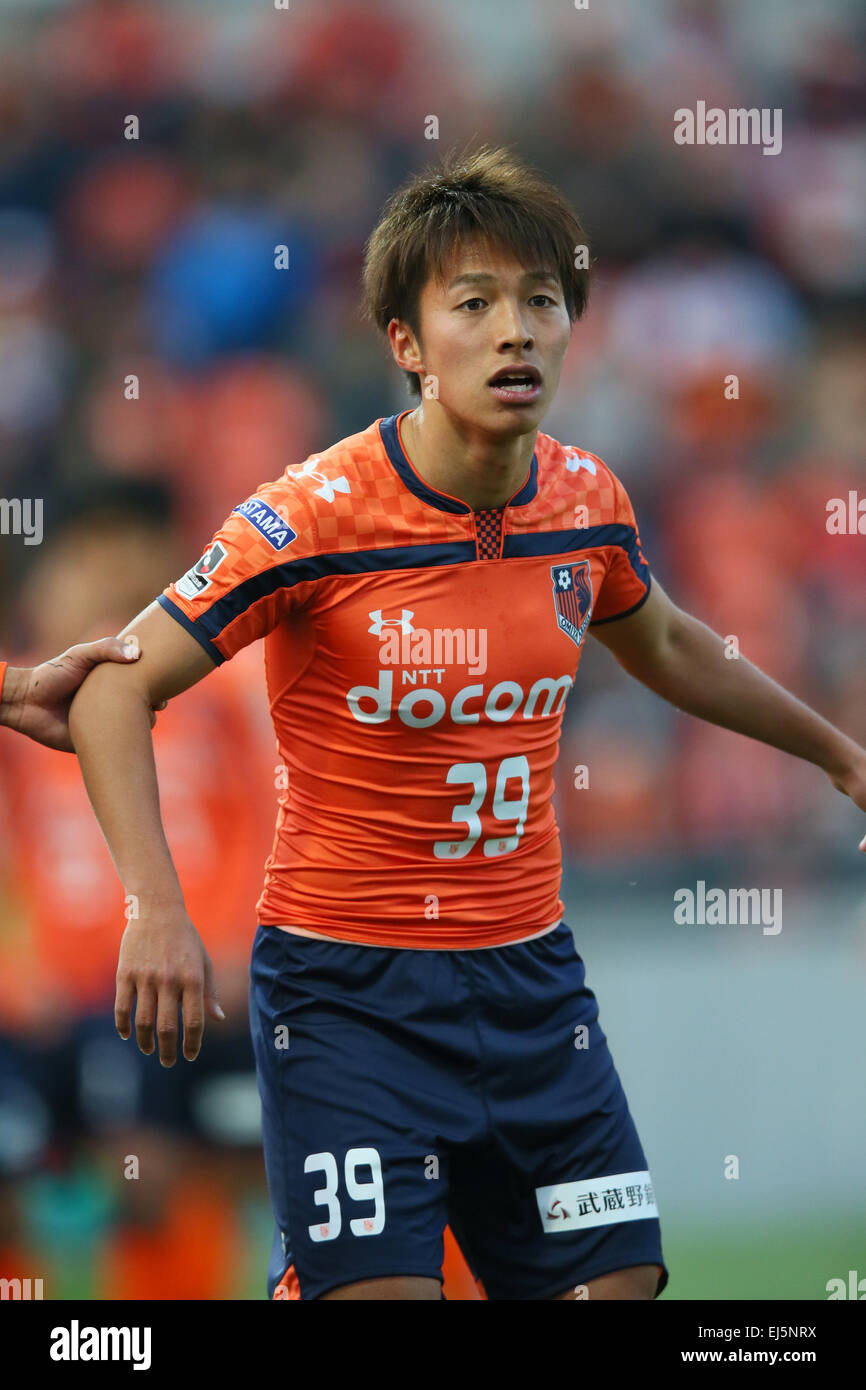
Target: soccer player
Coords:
[(428, 1051)]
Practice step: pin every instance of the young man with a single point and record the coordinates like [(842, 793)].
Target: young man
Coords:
[(427, 1048)]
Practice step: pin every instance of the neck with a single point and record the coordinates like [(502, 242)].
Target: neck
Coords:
[(481, 472)]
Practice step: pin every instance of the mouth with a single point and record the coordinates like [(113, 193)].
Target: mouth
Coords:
[(518, 385)]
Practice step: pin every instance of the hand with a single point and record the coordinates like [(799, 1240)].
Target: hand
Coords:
[(853, 783), (163, 963), (36, 702)]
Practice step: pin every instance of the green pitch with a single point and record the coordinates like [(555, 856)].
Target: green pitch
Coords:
[(790, 1261)]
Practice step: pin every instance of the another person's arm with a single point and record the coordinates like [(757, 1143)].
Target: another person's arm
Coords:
[(162, 960), (35, 701), (684, 661)]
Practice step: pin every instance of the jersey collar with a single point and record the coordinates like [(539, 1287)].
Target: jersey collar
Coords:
[(390, 435)]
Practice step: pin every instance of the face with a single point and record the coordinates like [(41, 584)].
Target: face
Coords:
[(488, 313)]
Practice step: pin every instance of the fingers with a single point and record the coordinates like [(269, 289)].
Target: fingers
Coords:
[(145, 1013), (123, 1004), (87, 654), (212, 1003), (152, 1004), (156, 1006), (193, 1019), (129, 648), (166, 1024)]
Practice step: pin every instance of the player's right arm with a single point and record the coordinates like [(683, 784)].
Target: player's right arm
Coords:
[(162, 960)]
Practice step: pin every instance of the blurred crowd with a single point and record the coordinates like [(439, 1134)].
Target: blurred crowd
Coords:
[(155, 368)]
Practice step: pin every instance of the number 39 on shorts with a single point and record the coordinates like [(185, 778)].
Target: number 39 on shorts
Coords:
[(331, 1224)]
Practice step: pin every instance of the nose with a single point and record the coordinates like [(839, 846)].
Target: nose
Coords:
[(511, 330)]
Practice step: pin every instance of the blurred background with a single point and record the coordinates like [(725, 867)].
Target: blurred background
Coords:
[(153, 257)]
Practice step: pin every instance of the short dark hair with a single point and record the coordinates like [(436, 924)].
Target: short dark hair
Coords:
[(481, 192)]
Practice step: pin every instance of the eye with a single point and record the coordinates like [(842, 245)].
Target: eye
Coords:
[(475, 300), (543, 296)]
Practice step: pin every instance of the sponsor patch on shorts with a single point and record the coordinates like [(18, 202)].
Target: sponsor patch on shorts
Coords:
[(275, 529), (575, 1206)]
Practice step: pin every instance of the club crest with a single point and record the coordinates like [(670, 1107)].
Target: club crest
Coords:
[(572, 596)]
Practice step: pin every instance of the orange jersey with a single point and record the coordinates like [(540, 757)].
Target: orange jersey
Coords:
[(418, 655)]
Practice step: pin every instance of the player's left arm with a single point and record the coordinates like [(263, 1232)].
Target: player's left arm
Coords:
[(689, 665)]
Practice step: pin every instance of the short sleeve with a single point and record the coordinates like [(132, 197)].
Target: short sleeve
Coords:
[(251, 576), (627, 579)]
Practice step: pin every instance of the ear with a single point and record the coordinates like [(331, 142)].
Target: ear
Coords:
[(405, 346)]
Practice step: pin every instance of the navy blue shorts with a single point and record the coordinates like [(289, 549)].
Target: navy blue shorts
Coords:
[(405, 1089)]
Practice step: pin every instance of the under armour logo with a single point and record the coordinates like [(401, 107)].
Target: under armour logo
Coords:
[(563, 579), (575, 461), (329, 486), (404, 623)]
